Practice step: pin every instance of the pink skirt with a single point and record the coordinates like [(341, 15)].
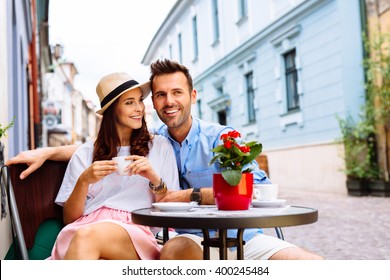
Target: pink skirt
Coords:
[(143, 239)]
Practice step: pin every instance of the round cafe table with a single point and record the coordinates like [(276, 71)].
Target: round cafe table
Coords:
[(222, 221)]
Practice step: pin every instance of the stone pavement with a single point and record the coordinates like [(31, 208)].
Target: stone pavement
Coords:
[(348, 228)]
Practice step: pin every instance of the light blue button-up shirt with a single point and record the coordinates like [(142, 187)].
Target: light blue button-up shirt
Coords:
[(193, 156)]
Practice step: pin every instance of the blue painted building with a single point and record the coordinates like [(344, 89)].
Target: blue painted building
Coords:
[(24, 54), (279, 71)]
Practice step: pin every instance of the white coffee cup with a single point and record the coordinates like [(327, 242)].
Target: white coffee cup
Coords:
[(122, 163), (266, 192)]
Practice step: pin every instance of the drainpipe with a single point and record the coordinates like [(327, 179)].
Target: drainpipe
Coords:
[(364, 29)]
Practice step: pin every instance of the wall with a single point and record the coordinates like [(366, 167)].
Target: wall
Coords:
[(308, 168), (5, 225), (16, 27), (327, 38)]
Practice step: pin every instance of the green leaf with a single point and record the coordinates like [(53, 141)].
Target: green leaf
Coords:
[(232, 177), (238, 152), (4, 130), (219, 149), (252, 143), (254, 153), (214, 159)]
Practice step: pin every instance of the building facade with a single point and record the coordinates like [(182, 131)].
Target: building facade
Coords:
[(19, 86), (26, 63), (67, 117), (279, 71)]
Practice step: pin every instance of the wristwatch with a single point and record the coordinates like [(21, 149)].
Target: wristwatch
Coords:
[(196, 195)]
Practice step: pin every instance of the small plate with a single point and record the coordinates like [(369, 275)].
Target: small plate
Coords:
[(174, 206), (273, 203)]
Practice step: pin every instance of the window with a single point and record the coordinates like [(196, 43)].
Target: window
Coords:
[(180, 48), (220, 104), (222, 118), (291, 81), (199, 105), (195, 35), (215, 20), (242, 9), (221, 113), (250, 97), (289, 89), (170, 51), (220, 90)]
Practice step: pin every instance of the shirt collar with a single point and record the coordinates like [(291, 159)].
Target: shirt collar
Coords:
[(191, 136), (194, 131)]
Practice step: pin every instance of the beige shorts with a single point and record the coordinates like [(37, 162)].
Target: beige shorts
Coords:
[(260, 247)]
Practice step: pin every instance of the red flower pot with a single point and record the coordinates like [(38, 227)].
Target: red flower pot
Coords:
[(229, 197)]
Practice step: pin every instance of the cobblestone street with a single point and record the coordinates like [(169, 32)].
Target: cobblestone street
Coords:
[(348, 228)]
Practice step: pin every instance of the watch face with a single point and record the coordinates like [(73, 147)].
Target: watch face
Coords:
[(196, 196)]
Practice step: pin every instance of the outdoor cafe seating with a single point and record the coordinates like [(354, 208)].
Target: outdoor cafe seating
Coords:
[(36, 220)]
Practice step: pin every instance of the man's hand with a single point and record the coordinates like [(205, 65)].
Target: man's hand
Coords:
[(33, 158), (177, 196), (184, 196)]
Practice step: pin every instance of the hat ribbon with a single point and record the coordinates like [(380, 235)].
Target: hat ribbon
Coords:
[(115, 92)]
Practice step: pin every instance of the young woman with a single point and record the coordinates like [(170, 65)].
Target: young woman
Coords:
[(98, 202)]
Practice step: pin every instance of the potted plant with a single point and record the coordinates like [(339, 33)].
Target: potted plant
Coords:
[(377, 66), (233, 187), (366, 142), (3, 132), (359, 151)]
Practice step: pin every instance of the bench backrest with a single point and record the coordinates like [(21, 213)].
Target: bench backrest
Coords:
[(35, 196)]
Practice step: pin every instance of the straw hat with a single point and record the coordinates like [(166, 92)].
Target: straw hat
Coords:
[(112, 86)]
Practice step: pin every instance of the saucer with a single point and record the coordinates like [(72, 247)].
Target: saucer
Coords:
[(263, 203), (174, 206)]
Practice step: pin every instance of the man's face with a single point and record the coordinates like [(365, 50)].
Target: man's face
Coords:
[(172, 100)]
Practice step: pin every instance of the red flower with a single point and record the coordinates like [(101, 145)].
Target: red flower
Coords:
[(245, 149), (227, 144), (233, 158), (234, 134), (224, 136)]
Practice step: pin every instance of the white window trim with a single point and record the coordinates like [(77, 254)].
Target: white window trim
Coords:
[(246, 66), (284, 42)]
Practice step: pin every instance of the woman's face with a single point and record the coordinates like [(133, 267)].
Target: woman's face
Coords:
[(130, 110)]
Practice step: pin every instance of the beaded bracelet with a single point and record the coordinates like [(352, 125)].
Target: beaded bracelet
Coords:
[(160, 189)]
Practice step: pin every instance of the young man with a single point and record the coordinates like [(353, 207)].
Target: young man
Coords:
[(192, 139)]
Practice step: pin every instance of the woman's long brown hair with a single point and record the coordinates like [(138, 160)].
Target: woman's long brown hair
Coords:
[(107, 141)]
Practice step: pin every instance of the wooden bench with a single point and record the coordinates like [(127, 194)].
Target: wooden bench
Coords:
[(262, 161), (40, 217)]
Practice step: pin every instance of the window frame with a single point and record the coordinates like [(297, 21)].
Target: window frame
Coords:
[(195, 37), (291, 73), (215, 20), (250, 96), (170, 51), (242, 9), (284, 41), (179, 43), (199, 105)]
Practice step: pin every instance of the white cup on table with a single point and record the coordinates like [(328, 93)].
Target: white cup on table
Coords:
[(266, 192), (122, 163)]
